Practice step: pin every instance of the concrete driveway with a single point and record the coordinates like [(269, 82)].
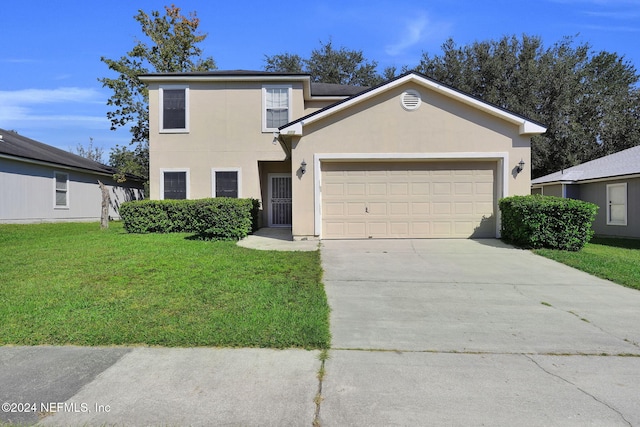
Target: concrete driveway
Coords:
[(475, 332)]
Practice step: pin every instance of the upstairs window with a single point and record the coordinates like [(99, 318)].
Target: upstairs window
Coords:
[(276, 102), (61, 189), (174, 109)]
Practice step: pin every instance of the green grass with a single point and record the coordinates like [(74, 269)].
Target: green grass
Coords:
[(617, 260), (73, 283)]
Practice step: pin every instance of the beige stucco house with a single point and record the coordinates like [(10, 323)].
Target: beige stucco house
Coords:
[(409, 158)]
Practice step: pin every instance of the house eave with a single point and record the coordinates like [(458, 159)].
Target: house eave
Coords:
[(305, 79), (588, 181), (62, 166)]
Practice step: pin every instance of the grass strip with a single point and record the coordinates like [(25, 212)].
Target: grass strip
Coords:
[(613, 259)]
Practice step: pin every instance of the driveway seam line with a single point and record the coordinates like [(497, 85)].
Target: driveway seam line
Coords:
[(580, 389), (480, 352), (324, 355)]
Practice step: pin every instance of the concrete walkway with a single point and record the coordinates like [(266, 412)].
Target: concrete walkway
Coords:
[(425, 332), (277, 239)]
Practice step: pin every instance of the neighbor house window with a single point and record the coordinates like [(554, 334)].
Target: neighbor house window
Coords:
[(226, 182), (61, 189), (617, 204), (174, 109), (175, 185), (276, 107)]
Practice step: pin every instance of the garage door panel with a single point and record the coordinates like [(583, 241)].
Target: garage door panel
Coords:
[(420, 208), (398, 189), (484, 188), (356, 189), (464, 208), (334, 209), (441, 229), (408, 199), (357, 229), (377, 208), (399, 208), (420, 229), (463, 188), (400, 229), (441, 208), (334, 189), (378, 229), (356, 208), (377, 189)]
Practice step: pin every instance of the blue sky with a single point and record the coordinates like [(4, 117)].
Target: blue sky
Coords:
[(50, 50)]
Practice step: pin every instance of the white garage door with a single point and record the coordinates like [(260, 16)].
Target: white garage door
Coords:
[(408, 199)]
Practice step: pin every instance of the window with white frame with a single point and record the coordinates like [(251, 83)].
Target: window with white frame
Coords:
[(174, 109), (226, 182), (175, 184), (617, 204), (61, 189), (276, 101)]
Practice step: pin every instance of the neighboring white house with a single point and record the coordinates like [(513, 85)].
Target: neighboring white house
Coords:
[(41, 183), (612, 182)]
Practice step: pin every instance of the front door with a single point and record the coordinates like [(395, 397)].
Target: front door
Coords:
[(279, 200)]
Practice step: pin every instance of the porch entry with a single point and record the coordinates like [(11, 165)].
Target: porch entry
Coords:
[(279, 200)]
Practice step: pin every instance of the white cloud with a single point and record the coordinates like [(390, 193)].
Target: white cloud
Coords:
[(414, 32), (49, 96), (53, 106)]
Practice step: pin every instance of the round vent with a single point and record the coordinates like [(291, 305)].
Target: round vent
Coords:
[(410, 100)]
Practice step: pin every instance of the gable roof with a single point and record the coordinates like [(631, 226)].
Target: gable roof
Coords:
[(13, 145), (527, 126), (626, 162)]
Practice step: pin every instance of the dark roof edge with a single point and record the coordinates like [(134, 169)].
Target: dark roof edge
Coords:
[(226, 73)]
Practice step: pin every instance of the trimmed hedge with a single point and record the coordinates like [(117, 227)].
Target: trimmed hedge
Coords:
[(547, 222), (219, 218)]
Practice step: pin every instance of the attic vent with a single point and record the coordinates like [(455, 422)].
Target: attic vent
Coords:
[(410, 100)]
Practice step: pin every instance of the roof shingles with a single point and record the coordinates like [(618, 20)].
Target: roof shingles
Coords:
[(626, 162), (18, 146)]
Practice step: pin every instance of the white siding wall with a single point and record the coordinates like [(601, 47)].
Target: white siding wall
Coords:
[(27, 194)]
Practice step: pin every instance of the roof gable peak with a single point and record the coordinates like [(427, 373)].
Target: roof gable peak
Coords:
[(526, 126)]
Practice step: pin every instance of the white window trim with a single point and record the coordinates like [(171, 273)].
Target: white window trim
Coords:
[(626, 204), (264, 105), (55, 191), (187, 181), (213, 179), (161, 108)]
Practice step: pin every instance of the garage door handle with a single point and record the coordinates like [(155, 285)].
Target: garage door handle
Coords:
[(366, 210)]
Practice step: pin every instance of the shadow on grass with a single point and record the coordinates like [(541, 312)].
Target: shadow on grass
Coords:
[(616, 242)]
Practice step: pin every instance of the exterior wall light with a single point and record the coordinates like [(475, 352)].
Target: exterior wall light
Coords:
[(520, 166), (303, 167)]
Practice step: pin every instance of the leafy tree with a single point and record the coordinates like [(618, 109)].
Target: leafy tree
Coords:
[(588, 101), (129, 162), (329, 65), (171, 46), (284, 63), (89, 152)]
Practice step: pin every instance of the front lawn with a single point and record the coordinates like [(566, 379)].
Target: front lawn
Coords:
[(617, 260), (73, 283)]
